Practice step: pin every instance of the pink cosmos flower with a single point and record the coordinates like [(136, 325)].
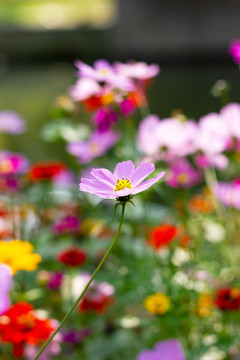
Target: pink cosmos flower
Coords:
[(183, 175), (5, 286), (228, 193), (95, 146), (163, 350), (11, 123), (230, 115), (123, 182), (84, 89), (234, 50), (137, 70), (102, 71), (147, 139)]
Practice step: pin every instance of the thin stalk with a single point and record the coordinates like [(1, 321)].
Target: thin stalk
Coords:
[(87, 286)]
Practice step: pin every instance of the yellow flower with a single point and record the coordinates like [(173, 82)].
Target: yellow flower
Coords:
[(18, 255), (157, 304), (205, 305)]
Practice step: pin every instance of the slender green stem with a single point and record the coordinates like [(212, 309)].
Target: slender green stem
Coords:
[(88, 284)]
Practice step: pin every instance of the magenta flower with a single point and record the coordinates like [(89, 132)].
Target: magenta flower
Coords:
[(183, 175), (95, 146), (11, 123), (127, 107), (234, 50), (163, 350), (122, 183), (104, 118), (5, 286), (12, 163), (68, 224)]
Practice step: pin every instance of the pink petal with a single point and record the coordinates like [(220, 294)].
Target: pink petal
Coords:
[(104, 175), (124, 192), (141, 172), (147, 184), (96, 185), (124, 169)]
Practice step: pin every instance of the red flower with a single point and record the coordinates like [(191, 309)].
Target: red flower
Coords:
[(72, 256), (228, 299), (162, 235), (93, 103), (95, 302), (20, 326), (46, 170)]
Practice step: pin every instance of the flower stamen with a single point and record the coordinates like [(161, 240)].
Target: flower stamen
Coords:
[(122, 184)]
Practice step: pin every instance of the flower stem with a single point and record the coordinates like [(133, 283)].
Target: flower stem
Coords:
[(88, 284)]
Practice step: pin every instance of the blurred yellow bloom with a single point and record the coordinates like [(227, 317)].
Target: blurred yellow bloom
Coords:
[(157, 304), (205, 305), (18, 255)]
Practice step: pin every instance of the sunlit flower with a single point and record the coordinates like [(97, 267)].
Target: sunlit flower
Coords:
[(11, 123), (234, 50), (123, 182), (162, 235), (20, 326), (19, 255), (164, 350), (72, 256), (227, 299), (157, 304), (95, 146), (46, 170), (5, 286)]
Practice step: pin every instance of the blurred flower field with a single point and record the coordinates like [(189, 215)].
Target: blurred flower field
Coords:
[(169, 288)]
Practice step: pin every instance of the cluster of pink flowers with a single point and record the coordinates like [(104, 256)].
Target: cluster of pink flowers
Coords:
[(206, 143), (108, 92)]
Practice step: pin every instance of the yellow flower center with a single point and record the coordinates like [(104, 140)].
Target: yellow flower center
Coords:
[(94, 147), (183, 178), (123, 183), (103, 71), (6, 166)]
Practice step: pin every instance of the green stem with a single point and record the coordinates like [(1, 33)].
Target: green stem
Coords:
[(88, 284)]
